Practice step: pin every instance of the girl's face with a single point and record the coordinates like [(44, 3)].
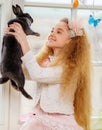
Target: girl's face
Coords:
[(58, 36)]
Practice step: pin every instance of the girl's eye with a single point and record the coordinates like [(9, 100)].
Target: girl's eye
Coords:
[(59, 32)]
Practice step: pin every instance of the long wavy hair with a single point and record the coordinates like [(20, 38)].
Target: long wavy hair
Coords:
[(75, 79)]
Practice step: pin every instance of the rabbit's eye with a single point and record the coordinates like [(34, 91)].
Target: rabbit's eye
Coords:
[(27, 15)]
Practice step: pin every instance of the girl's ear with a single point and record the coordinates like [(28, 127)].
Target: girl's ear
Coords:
[(17, 10)]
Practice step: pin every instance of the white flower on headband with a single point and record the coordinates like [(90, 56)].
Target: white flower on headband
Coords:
[(75, 28)]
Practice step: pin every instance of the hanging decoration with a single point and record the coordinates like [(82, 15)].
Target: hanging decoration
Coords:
[(93, 21), (75, 3)]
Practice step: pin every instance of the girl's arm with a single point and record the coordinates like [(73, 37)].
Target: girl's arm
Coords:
[(41, 74), (37, 73)]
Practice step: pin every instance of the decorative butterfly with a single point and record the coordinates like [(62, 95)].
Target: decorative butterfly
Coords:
[(93, 21), (75, 3)]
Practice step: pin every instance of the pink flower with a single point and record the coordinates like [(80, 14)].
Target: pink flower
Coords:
[(76, 28)]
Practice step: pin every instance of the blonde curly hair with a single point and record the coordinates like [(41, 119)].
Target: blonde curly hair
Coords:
[(76, 63)]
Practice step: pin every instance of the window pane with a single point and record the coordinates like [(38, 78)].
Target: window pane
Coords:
[(95, 35), (90, 2), (0, 85), (82, 2), (98, 2), (51, 1), (44, 20), (1, 105), (0, 23)]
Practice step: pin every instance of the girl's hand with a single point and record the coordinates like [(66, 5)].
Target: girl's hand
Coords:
[(19, 35)]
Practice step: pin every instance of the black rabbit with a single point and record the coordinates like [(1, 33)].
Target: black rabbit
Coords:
[(11, 64)]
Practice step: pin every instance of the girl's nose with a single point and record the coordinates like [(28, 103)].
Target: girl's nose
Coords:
[(52, 33)]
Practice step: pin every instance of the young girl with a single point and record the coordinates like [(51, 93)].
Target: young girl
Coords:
[(62, 72)]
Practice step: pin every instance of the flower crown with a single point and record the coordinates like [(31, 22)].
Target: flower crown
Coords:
[(75, 29)]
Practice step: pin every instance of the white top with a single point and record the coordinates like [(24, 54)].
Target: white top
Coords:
[(48, 86)]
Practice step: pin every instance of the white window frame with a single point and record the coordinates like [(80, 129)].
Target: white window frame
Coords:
[(4, 90), (97, 118), (10, 99)]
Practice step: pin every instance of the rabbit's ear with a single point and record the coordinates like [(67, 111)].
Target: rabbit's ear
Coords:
[(17, 10), (14, 9)]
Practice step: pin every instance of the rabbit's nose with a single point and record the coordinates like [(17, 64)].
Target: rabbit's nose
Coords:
[(37, 34)]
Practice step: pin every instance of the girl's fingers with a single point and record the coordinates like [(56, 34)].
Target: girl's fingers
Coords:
[(18, 31), (17, 24), (12, 33), (7, 30), (12, 26)]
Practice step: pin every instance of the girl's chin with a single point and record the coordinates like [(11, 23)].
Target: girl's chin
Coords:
[(50, 44)]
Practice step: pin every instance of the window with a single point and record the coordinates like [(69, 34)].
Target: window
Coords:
[(94, 33), (51, 1), (82, 2), (0, 23), (46, 13), (91, 2), (0, 20), (44, 19), (0, 85), (8, 118), (43, 22), (1, 105)]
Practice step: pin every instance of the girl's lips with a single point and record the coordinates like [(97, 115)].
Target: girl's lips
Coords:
[(51, 40)]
